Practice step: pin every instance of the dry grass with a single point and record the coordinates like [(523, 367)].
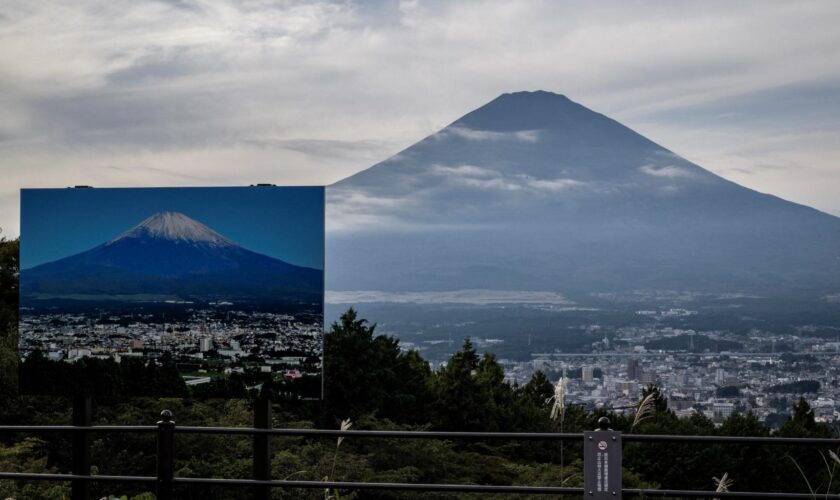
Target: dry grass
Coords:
[(645, 410), (345, 425), (805, 477), (558, 401), (723, 484), (831, 468), (558, 410)]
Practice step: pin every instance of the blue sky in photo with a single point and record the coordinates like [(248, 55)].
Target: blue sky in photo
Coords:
[(286, 223)]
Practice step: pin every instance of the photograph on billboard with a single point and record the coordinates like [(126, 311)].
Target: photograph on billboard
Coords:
[(217, 287)]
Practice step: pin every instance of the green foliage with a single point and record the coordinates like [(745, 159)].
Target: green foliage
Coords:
[(105, 379), (538, 390), (798, 387), (9, 363), (728, 391), (367, 373), (9, 272), (802, 423), (28, 455), (9, 283), (458, 405)]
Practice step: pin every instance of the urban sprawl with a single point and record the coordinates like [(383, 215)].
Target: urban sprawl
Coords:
[(200, 341), (715, 373)]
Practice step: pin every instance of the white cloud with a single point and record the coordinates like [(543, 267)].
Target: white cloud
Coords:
[(553, 185), (360, 209), (463, 171), (495, 184), (356, 200), (531, 136), (488, 179), (668, 171), (353, 210), (339, 221)]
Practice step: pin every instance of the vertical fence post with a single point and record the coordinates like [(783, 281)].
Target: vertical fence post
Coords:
[(165, 455), (82, 416), (262, 447)]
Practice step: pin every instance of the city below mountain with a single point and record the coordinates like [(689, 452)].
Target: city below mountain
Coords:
[(169, 255), (535, 192)]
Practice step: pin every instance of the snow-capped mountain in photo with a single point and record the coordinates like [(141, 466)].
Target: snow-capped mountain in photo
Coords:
[(170, 254), (533, 191), (176, 227)]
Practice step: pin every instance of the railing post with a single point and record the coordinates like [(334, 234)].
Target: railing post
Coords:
[(165, 455), (602, 462), (262, 447), (82, 417)]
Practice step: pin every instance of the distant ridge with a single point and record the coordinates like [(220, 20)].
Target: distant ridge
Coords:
[(533, 191)]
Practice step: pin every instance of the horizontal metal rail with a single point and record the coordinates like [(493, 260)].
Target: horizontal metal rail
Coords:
[(78, 428), (460, 488), (346, 485), (713, 494), (76, 477), (664, 438), (381, 434), (547, 436)]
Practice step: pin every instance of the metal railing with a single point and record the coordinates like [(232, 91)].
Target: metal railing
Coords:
[(262, 484)]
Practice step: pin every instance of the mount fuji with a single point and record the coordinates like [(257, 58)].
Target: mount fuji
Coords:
[(533, 191), (170, 254)]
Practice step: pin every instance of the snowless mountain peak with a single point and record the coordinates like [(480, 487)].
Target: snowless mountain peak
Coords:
[(175, 226), (530, 110), (535, 94)]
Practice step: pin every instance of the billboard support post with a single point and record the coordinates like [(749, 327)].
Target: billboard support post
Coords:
[(82, 417), (262, 447)]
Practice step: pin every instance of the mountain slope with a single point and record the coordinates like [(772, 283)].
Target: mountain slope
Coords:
[(171, 254), (535, 192)]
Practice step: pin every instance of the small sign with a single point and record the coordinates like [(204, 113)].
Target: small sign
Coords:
[(602, 464)]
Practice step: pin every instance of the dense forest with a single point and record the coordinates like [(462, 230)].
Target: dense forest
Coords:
[(374, 384)]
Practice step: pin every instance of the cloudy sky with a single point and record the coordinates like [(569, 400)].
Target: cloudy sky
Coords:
[(182, 93)]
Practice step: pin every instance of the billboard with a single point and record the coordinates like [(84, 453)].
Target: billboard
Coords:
[(212, 282)]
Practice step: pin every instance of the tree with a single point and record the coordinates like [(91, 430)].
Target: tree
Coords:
[(728, 391), (802, 423), (457, 392), (497, 399), (411, 392), (538, 390), (743, 425), (9, 285), (367, 373)]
